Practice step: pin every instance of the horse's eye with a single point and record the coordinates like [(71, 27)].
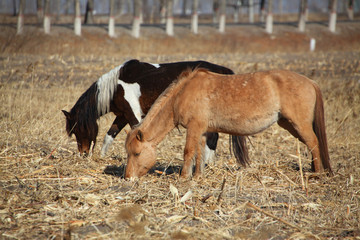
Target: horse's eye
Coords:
[(136, 154)]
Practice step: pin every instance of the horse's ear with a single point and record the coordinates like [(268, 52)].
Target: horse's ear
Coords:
[(67, 114), (140, 136)]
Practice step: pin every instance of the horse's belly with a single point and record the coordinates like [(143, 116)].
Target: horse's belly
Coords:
[(242, 125)]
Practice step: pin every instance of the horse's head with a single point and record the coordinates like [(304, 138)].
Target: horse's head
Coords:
[(84, 136), (141, 154)]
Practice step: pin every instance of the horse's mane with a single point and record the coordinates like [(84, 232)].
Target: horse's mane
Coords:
[(84, 112), (106, 87), (173, 89)]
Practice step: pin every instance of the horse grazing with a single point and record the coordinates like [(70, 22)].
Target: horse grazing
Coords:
[(128, 91), (242, 105)]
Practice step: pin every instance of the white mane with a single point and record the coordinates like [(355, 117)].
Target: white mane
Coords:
[(106, 87)]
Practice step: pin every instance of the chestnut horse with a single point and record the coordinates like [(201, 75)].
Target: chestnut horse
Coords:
[(242, 105), (128, 91)]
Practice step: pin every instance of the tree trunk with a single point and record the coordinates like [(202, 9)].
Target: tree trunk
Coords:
[(222, 19), (169, 18), (20, 22), (350, 9), (184, 8), (332, 18), (194, 17), (77, 22), (262, 11), (216, 7), (302, 15), (162, 11), (251, 11), (39, 10), (137, 18), (47, 20), (111, 26), (269, 18), (89, 18)]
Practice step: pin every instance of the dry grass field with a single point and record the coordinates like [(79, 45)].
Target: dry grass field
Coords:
[(48, 192)]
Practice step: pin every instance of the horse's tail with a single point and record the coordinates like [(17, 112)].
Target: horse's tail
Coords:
[(239, 148), (319, 129)]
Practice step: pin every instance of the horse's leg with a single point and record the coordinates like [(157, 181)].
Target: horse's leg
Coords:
[(209, 147), (193, 144), (118, 124), (303, 130)]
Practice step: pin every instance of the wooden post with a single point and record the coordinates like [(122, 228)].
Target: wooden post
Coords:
[(77, 21), (194, 17), (47, 20), (169, 18), (302, 15), (222, 19), (20, 22), (269, 18), (137, 18), (332, 17)]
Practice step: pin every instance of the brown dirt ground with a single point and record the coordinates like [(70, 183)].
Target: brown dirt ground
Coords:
[(48, 192)]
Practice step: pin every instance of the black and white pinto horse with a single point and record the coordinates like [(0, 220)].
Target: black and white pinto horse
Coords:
[(128, 91)]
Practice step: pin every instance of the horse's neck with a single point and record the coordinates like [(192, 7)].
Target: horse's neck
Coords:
[(157, 125)]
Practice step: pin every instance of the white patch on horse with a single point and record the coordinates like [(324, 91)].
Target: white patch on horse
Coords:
[(132, 94), (209, 155), (155, 65), (107, 142), (106, 87)]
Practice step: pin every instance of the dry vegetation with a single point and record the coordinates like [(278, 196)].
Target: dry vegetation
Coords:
[(48, 192)]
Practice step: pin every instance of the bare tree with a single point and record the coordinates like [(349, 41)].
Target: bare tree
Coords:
[(67, 6), (20, 22), (89, 18), (39, 10), (262, 10), (194, 17), (137, 18), (47, 20), (216, 7), (222, 18), (111, 29), (184, 7), (350, 9), (269, 18), (302, 15), (169, 18), (77, 22), (251, 11), (162, 11), (332, 18)]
